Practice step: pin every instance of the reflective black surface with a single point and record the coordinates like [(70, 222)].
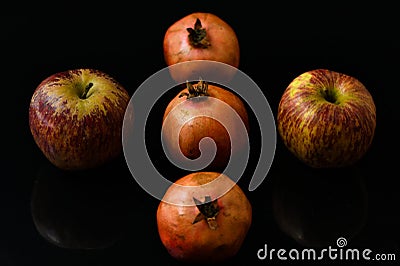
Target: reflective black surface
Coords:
[(103, 217)]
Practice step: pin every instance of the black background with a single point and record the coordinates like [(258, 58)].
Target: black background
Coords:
[(105, 208)]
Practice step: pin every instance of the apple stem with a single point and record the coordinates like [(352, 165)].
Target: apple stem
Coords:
[(86, 90), (198, 35), (194, 91)]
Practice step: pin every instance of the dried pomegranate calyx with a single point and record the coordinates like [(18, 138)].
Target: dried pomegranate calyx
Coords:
[(200, 89), (198, 35), (208, 211)]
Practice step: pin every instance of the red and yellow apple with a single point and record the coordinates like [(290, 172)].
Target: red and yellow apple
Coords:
[(76, 117), (326, 118)]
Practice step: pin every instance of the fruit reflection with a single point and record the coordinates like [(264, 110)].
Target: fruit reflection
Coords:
[(317, 206), (79, 210)]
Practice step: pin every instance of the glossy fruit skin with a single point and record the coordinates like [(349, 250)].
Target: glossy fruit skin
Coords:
[(326, 118), (75, 132), (222, 44), (197, 242), (200, 127)]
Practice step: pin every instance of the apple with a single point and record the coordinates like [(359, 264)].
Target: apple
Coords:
[(326, 118), (76, 117)]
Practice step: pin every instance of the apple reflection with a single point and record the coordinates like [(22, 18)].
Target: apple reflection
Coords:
[(79, 210), (317, 206)]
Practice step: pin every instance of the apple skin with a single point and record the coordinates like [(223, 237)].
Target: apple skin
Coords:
[(76, 131), (326, 118)]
